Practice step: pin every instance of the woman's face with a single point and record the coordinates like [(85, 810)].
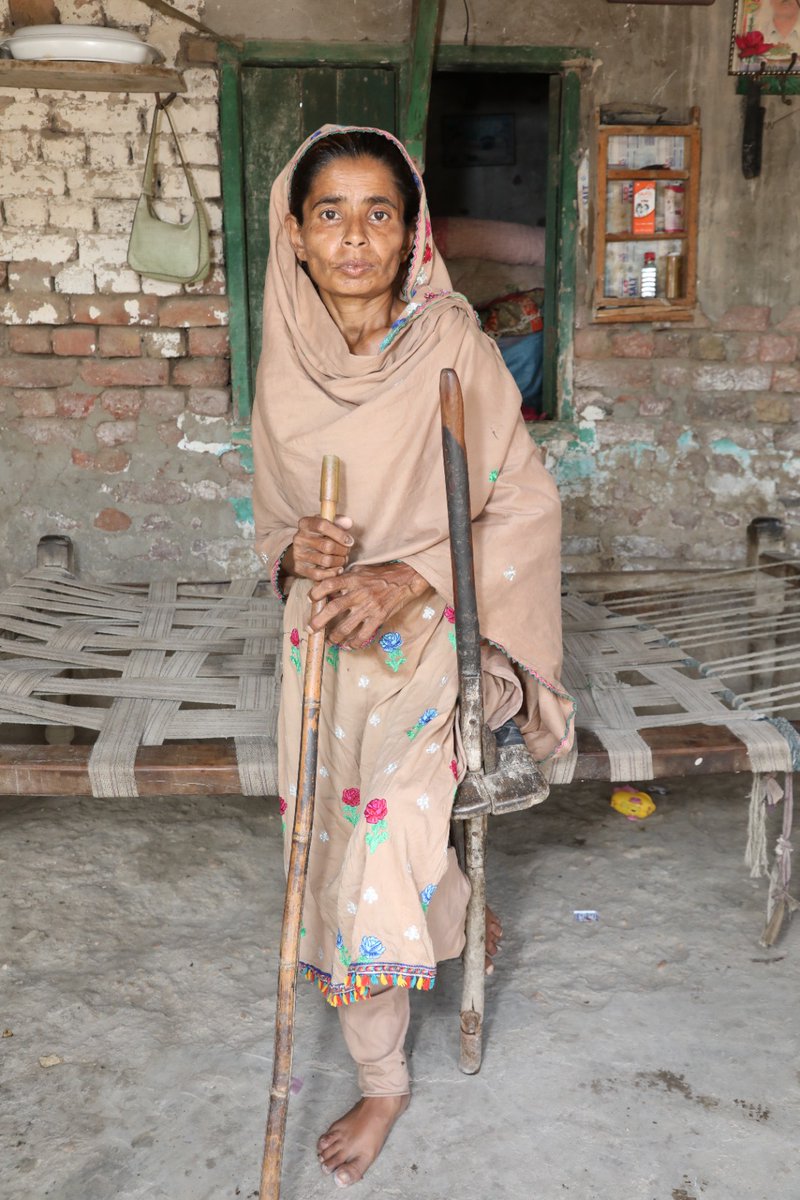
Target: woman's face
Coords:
[(353, 237)]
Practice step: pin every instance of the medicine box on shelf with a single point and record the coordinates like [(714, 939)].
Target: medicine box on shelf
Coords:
[(648, 179)]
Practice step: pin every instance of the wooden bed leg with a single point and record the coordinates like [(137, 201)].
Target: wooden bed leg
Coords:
[(472, 998), (56, 550)]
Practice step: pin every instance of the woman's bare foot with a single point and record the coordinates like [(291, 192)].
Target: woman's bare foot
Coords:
[(352, 1143), (494, 935)]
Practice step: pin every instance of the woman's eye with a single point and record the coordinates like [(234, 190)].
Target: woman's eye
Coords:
[(380, 215)]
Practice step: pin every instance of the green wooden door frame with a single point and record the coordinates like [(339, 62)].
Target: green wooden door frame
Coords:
[(565, 61)]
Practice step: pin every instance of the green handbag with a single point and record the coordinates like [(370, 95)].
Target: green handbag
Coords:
[(165, 250)]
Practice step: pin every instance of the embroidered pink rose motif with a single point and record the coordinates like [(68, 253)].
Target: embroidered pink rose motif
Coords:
[(454, 768), (375, 811), (294, 638), (428, 255), (282, 805), (449, 613), (351, 796)]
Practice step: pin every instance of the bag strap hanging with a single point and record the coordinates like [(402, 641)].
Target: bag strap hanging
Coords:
[(148, 180)]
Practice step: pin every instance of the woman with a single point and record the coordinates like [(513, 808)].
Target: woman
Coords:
[(359, 319)]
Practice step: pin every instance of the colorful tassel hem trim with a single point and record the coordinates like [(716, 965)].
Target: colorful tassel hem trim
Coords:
[(360, 980)]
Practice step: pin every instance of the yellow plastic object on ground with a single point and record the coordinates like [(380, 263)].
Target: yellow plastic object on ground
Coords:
[(636, 806)]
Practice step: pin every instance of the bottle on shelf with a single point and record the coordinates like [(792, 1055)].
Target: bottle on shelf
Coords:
[(648, 276), (674, 276)]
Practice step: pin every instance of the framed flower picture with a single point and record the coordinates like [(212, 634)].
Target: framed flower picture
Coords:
[(765, 37)]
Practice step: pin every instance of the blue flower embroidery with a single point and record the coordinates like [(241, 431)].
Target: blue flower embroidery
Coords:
[(424, 720), (371, 947), (390, 643), (426, 895), (341, 949)]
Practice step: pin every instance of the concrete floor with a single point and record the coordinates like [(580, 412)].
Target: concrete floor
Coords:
[(652, 1056)]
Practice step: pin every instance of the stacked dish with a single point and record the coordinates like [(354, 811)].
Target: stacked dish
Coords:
[(78, 43)]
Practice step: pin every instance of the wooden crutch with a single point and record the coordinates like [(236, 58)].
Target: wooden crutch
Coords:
[(296, 879)]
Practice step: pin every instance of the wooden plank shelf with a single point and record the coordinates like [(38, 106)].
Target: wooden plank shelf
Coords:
[(646, 237), (645, 173), (89, 76)]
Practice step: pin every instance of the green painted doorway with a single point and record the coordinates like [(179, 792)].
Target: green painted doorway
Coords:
[(281, 106)]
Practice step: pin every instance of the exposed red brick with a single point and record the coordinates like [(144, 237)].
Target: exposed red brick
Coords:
[(613, 374), (120, 343), (114, 310), (25, 308), (672, 343), (232, 463), (122, 403), (786, 379), (37, 372), (164, 343), (115, 433), (741, 347), (35, 403), (633, 345), (201, 372), (791, 322), (43, 431), (748, 318), (717, 406), (29, 340), (655, 406), (136, 372), (777, 349), (74, 404), (111, 462), (775, 410), (725, 377), (33, 12), (588, 343), (164, 402), (185, 311), (215, 343), (209, 402), (74, 341), (169, 433), (112, 520)]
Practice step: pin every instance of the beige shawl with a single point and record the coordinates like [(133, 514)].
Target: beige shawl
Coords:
[(380, 414)]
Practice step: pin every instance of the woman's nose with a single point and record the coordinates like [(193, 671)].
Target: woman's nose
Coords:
[(355, 234)]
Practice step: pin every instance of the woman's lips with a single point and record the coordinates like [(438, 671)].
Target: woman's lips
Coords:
[(355, 268)]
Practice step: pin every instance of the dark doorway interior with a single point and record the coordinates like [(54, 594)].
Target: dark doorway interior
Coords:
[(487, 161)]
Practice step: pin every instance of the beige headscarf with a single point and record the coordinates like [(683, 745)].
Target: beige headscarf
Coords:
[(380, 414)]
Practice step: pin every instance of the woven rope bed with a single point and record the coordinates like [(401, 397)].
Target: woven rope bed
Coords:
[(172, 688)]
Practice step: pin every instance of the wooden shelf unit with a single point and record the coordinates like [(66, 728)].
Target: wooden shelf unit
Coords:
[(609, 307), (89, 76)]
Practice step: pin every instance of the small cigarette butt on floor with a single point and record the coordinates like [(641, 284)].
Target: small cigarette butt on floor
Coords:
[(8, 1033), (50, 1060)]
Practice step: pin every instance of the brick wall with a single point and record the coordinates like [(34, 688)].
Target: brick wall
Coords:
[(114, 399), (684, 435), (114, 389)]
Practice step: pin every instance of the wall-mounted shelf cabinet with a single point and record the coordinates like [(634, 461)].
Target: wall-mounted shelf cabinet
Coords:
[(89, 76), (648, 185)]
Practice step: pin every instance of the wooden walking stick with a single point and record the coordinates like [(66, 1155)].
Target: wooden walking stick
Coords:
[(296, 879)]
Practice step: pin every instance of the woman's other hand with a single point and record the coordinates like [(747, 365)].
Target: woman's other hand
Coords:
[(319, 550), (360, 600)]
